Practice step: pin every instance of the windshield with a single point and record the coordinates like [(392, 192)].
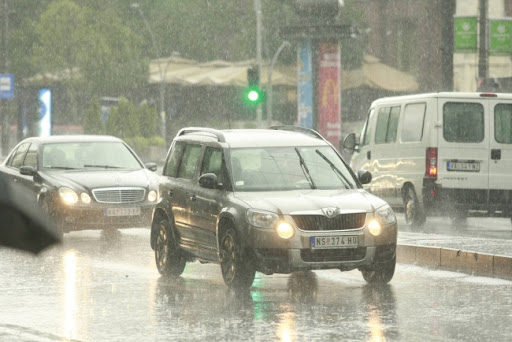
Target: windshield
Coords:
[(88, 155), (289, 168)]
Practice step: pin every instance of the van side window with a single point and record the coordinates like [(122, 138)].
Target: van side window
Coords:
[(463, 122), (414, 120), (503, 123), (387, 125), (367, 131)]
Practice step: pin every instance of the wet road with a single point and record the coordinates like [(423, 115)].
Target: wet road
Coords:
[(93, 288)]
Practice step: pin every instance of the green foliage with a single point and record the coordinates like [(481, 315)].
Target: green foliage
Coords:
[(93, 123), (148, 120)]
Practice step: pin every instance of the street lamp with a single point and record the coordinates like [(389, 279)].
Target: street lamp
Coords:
[(163, 128), (269, 80)]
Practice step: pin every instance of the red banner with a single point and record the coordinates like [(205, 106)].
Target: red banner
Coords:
[(329, 94)]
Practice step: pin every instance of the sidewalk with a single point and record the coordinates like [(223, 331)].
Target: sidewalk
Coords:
[(478, 256)]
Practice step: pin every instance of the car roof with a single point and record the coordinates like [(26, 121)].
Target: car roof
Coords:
[(245, 138), (73, 138), (451, 95)]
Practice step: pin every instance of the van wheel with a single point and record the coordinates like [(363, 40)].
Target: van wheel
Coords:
[(168, 256), (237, 271), (414, 215)]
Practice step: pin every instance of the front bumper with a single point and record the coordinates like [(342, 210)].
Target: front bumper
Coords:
[(275, 255), (74, 218)]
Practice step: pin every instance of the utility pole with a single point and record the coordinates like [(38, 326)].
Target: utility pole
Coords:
[(257, 8), (4, 104), (482, 48)]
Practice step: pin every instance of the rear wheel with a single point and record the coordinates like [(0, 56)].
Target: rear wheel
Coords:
[(168, 256), (381, 274), (414, 214), (237, 270)]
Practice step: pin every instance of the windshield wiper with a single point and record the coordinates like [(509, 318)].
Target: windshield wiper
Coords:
[(340, 175), (305, 169), (104, 166), (60, 167)]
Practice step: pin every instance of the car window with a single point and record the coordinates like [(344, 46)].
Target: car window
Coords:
[(18, 156), (387, 124), (463, 122), (289, 168), (187, 168), (503, 123), (31, 156), (212, 162), (414, 118), (173, 161)]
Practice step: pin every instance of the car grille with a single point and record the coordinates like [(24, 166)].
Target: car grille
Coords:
[(338, 254), (320, 222), (119, 195)]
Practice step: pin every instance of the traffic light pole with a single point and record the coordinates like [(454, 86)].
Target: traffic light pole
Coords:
[(257, 8)]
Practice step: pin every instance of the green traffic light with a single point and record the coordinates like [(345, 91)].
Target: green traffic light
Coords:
[(253, 96)]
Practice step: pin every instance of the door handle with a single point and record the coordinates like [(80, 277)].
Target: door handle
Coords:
[(171, 193), (495, 154), (193, 198)]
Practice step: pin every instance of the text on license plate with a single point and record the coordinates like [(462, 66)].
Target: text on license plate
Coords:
[(334, 241), (122, 211), (463, 166)]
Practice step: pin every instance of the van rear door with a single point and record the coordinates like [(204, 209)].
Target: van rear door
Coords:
[(463, 151), (500, 153)]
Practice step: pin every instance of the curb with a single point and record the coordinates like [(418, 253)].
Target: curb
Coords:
[(456, 260)]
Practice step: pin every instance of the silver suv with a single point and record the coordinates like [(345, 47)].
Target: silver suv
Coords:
[(273, 200)]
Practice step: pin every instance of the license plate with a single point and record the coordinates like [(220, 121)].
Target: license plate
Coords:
[(122, 211), (463, 166), (334, 241)]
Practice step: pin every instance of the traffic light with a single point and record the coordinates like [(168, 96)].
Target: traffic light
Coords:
[(253, 93)]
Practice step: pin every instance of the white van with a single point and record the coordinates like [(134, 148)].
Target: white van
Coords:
[(439, 154)]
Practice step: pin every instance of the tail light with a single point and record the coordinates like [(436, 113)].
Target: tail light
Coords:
[(431, 163)]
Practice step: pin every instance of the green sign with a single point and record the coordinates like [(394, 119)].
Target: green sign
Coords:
[(500, 36), (466, 34)]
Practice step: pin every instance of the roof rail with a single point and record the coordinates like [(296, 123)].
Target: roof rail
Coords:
[(299, 129), (212, 131)]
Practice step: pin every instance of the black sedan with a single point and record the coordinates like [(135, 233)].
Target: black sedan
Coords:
[(85, 181)]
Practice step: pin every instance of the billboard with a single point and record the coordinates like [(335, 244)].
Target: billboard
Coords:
[(466, 37), (305, 84), (500, 36), (44, 121)]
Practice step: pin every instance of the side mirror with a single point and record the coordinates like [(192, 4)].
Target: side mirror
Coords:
[(151, 166), (364, 176), (349, 143), (27, 170), (208, 180)]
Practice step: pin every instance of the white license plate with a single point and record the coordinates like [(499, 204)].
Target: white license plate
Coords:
[(462, 166), (122, 211), (334, 241)]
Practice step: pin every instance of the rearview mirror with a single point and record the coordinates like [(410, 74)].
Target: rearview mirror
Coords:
[(364, 176), (27, 170), (208, 180), (151, 166)]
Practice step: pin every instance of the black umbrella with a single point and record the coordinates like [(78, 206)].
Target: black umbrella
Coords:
[(23, 225)]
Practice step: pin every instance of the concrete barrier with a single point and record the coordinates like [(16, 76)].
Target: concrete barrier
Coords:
[(456, 260)]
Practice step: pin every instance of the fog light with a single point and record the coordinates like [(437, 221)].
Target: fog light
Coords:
[(285, 230), (85, 198), (374, 227), (152, 196)]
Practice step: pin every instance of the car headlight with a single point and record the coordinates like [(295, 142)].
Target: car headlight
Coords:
[(152, 196), (285, 230), (68, 195), (385, 215), (85, 198), (261, 218)]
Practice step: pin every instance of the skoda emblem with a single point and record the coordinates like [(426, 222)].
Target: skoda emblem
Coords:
[(330, 212), (117, 180)]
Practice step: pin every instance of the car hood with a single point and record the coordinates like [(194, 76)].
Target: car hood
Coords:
[(357, 200), (104, 179)]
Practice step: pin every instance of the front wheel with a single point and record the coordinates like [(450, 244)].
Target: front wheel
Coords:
[(237, 271), (168, 256), (381, 274), (45, 207), (414, 215)]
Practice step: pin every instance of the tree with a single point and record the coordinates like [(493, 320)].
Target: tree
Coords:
[(93, 123)]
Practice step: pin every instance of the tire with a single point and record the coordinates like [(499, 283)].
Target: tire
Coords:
[(46, 208), (237, 270), (414, 214), (381, 274), (168, 256)]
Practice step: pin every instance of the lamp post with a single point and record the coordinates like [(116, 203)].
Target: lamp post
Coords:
[(284, 44), (257, 9), (163, 128)]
